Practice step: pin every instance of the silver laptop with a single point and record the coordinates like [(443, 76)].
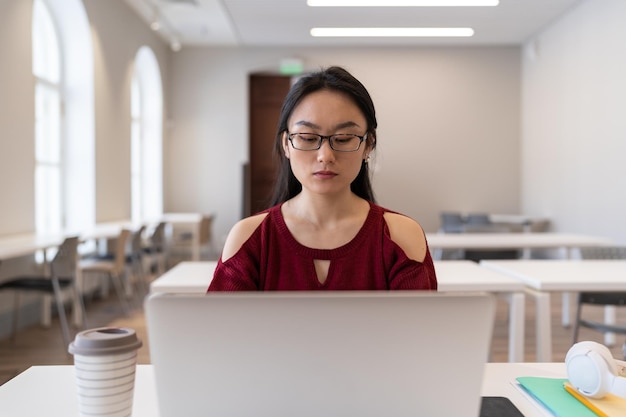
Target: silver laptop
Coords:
[(314, 354)]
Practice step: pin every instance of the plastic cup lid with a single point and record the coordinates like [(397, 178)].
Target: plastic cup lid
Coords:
[(105, 341)]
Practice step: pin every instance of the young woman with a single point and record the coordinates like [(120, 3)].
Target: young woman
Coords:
[(324, 230)]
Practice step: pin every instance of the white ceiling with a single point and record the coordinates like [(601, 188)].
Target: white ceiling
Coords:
[(287, 22)]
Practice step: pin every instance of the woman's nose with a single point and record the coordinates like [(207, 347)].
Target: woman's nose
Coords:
[(325, 153)]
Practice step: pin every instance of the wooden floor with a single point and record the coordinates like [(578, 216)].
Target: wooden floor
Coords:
[(44, 346)]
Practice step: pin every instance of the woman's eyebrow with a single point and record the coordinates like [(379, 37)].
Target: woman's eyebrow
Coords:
[(307, 124), (315, 126)]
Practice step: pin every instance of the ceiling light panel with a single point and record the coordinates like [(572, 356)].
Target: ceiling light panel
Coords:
[(392, 32), (401, 3)]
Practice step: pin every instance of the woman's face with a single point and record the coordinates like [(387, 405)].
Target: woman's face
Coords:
[(326, 171)]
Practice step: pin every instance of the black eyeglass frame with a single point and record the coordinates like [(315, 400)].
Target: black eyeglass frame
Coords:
[(330, 139)]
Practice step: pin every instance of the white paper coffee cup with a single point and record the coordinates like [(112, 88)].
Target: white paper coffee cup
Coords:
[(105, 360)]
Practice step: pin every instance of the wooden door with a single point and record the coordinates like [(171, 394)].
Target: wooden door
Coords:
[(267, 93)]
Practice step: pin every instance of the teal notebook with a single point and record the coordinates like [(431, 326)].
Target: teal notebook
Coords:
[(553, 396)]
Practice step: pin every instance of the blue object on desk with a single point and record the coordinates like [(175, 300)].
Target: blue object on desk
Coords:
[(551, 393)]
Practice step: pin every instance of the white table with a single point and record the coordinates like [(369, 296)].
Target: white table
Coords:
[(524, 241), (50, 390), (195, 277), (542, 277), (185, 277), (469, 276), (15, 246)]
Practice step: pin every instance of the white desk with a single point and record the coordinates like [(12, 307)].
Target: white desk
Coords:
[(469, 276), (14, 246), (502, 241), (545, 276), (524, 241), (50, 390), (195, 277), (185, 277)]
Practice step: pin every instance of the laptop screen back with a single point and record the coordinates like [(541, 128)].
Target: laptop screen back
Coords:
[(378, 354)]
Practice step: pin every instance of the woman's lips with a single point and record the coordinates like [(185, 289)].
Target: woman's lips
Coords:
[(325, 174)]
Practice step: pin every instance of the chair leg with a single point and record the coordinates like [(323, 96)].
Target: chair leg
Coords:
[(80, 319), (61, 310), (16, 314), (577, 321), (121, 292)]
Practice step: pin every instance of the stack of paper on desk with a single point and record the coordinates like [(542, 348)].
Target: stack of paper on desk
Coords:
[(560, 399)]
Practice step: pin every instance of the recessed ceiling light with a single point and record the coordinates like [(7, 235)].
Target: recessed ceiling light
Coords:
[(406, 3), (392, 32)]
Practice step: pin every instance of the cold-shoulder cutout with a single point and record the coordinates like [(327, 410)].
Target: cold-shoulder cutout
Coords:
[(408, 234), (240, 233)]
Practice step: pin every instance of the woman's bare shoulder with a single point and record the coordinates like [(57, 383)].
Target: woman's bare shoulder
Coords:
[(408, 234), (240, 233)]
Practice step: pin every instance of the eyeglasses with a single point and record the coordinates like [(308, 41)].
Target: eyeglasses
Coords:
[(342, 142)]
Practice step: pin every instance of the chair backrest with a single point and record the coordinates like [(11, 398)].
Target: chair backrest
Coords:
[(603, 252), (137, 241), (205, 229), (120, 250), (478, 219), (157, 240), (486, 228), (451, 222), (66, 259)]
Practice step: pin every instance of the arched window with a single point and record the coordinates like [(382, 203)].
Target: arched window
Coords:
[(146, 138), (47, 69), (64, 123)]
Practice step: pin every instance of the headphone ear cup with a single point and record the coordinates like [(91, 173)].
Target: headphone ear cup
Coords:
[(591, 369)]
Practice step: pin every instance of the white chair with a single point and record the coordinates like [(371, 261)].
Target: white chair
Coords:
[(114, 269), (182, 242)]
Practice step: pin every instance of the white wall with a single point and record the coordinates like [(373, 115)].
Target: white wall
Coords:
[(118, 33), (448, 126), (17, 119), (574, 121)]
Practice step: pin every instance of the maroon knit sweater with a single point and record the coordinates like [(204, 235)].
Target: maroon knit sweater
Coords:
[(272, 259)]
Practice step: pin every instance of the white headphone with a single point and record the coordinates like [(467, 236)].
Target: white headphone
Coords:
[(593, 371)]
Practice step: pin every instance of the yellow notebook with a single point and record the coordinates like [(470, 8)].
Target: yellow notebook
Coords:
[(608, 406)]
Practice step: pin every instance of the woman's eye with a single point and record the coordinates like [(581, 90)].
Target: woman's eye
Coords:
[(344, 139)]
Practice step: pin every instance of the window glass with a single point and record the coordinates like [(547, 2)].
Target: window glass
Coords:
[(48, 147), (147, 138), (46, 59), (136, 152), (62, 61)]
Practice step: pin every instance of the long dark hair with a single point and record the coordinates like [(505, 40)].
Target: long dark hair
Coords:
[(333, 79)]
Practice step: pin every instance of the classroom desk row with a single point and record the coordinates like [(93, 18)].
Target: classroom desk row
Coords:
[(565, 242), (55, 388), (510, 280), (15, 246)]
